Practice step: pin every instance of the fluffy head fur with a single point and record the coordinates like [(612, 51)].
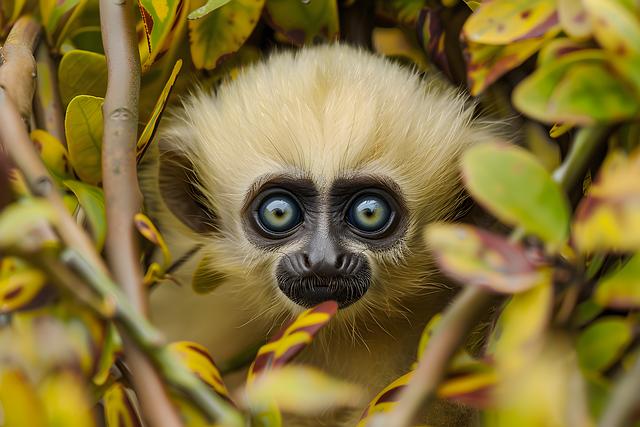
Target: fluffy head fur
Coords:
[(322, 113)]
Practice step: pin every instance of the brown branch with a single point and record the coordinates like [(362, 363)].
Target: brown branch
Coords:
[(47, 105), (17, 65), (122, 195), (458, 319)]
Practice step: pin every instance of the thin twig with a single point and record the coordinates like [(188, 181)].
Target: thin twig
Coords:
[(624, 400), (461, 316), (122, 195), (47, 105)]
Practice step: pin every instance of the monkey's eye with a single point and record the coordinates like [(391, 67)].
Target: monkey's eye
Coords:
[(369, 213), (279, 213)]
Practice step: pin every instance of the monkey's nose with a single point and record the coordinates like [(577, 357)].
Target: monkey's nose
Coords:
[(333, 265)]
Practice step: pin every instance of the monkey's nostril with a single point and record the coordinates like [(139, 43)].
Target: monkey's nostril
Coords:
[(305, 261), (339, 262)]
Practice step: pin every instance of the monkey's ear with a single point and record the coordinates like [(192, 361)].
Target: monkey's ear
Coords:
[(179, 188)]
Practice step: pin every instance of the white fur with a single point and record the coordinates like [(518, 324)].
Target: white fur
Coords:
[(322, 113)]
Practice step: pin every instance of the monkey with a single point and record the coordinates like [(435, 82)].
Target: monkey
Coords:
[(311, 177)]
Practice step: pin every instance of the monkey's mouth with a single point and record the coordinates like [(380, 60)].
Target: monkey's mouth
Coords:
[(311, 290)]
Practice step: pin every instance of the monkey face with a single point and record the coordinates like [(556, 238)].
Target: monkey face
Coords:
[(321, 235)]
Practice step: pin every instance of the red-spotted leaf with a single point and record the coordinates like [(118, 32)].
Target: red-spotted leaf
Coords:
[(476, 257), (303, 22), (608, 219), (621, 289), (159, 18), (18, 219), (119, 410), (581, 87), (487, 63), (197, 359), (292, 339), (516, 188), (616, 27), (506, 21), (434, 38), (152, 125), (20, 288), (574, 19), (404, 12), (557, 48), (53, 153), (473, 389), (385, 400)]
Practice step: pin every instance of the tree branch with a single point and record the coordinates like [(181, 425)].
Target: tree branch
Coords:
[(17, 65), (624, 400), (122, 195)]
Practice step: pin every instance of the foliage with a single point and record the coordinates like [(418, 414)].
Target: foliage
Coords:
[(565, 338)]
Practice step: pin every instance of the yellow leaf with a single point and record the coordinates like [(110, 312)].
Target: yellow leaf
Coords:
[(152, 125), (615, 27), (118, 408), (222, 32), (19, 403), (301, 390), (52, 153), (20, 288), (505, 21), (65, 400)]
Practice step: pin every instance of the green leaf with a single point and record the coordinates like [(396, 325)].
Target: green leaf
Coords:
[(91, 199), (111, 350), (53, 154), (18, 219), (608, 218), (301, 390), (83, 126), (517, 189), (209, 7), (475, 257), (580, 88), (152, 125), (614, 26), (57, 17), (205, 278), (82, 73), (501, 22), (158, 17), (10, 11), (621, 289), (546, 151), (404, 12), (602, 343), (119, 409), (222, 32), (304, 22)]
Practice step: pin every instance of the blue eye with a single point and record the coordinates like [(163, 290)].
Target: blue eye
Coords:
[(369, 213), (279, 213)]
